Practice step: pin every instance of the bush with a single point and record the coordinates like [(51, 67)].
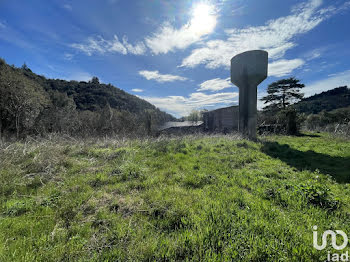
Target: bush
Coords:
[(286, 121), (317, 195), (336, 121), (289, 120)]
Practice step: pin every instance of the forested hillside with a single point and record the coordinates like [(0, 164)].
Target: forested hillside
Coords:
[(336, 98), (32, 104)]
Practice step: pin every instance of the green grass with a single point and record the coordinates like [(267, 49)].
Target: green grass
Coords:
[(201, 198)]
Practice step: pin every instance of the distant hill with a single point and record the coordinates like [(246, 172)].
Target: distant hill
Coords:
[(329, 100), (94, 95), (31, 103)]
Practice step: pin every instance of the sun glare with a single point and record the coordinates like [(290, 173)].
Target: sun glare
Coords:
[(203, 19)]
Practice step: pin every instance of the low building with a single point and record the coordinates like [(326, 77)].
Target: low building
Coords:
[(183, 124), (181, 128), (221, 120)]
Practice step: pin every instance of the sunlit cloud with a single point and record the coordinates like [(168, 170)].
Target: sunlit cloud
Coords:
[(79, 76), (182, 106), (327, 83), (102, 46), (113, 1), (215, 84), (276, 36), (68, 56), (137, 90), (261, 104), (168, 38), (67, 7), (315, 53), (284, 67), (161, 78), (138, 49)]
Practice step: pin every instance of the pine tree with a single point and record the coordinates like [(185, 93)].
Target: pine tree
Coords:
[(282, 93)]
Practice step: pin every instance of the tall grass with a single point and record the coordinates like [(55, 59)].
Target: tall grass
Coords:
[(201, 198)]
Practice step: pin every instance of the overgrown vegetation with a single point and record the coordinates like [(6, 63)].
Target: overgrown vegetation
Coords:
[(195, 116), (287, 111), (279, 113), (217, 198), (336, 121), (31, 104)]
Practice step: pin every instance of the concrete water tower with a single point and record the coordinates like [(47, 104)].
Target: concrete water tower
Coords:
[(248, 70)]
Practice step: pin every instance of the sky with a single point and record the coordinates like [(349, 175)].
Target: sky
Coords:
[(176, 54)]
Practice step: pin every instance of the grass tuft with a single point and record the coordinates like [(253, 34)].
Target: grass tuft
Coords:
[(195, 198)]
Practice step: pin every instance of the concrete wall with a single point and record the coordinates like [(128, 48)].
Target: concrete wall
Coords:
[(222, 119), (182, 130)]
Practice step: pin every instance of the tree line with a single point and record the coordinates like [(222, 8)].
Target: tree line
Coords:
[(33, 105), (287, 110)]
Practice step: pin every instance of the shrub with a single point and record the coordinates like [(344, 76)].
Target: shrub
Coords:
[(289, 120), (317, 195), (17, 208)]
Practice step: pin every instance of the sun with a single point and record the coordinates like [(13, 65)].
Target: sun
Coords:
[(203, 19)]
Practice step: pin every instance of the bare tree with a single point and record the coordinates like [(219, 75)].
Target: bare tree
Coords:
[(21, 100)]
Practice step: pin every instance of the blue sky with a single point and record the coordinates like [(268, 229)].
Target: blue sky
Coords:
[(176, 54)]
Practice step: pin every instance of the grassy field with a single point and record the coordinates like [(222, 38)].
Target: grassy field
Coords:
[(201, 198)]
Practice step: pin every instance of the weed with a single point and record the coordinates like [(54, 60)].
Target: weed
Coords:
[(17, 207), (317, 195), (194, 198)]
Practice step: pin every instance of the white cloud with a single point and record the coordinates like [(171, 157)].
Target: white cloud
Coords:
[(239, 10), (80, 76), (137, 49), (284, 67), (68, 56), (182, 106), (261, 94), (215, 84), (137, 90), (333, 81), (67, 7), (2, 25), (278, 68), (168, 38), (332, 10), (276, 36), (161, 78), (313, 54), (100, 45)]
